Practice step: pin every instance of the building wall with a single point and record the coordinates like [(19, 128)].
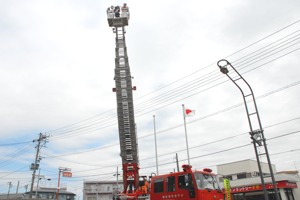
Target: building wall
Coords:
[(248, 167), (50, 193), (251, 178), (43, 193), (104, 190)]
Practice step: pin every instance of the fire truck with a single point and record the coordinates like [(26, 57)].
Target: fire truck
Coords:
[(184, 185)]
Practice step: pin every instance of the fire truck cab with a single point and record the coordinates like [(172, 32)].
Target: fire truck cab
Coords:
[(186, 185)]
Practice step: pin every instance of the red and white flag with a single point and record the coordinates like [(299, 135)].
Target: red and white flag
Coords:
[(189, 112)]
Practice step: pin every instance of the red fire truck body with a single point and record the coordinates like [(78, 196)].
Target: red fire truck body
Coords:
[(186, 185)]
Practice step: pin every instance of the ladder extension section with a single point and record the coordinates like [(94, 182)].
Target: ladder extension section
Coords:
[(125, 109)]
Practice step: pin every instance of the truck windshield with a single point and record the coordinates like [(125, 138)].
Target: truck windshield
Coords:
[(206, 181)]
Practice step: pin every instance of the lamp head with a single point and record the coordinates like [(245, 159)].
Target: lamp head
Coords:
[(222, 64)]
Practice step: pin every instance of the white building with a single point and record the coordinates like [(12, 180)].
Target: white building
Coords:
[(101, 190), (245, 181)]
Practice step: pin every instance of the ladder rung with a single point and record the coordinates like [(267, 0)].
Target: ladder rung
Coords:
[(237, 79), (248, 95), (261, 154), (252, 113)]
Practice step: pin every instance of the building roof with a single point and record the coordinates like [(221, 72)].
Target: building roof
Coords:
[(293, 172), (102, 182), (51, 190), (239, 161), (256, 180), (12, 196)]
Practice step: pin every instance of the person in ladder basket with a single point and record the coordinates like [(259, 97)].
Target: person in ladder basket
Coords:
[(125, 10), (117, 11)]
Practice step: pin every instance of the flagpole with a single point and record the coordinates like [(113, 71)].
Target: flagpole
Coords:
[(186, 137), (155, 144)]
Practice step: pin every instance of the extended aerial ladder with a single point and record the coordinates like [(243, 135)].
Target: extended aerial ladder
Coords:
[(125, 110), (187, 184)]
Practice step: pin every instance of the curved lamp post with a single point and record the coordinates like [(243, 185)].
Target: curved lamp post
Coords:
[(256, 133)]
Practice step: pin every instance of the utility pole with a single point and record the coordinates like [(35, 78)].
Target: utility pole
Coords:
[(18, 187), (37, 185), (34, 166), (9, 186), (154, 125)]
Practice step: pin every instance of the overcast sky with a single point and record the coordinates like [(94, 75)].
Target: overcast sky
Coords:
[(56, 78)]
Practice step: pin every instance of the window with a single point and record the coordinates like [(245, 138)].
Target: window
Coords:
[(171, 184), (255, 174), (182, 180), (93, 188), (241, 176), (158, 185), (206, 181)]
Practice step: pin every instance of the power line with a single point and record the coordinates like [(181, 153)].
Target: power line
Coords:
[(225, 150), (109, 119), (192, 121), (9, 159), (113, 117), (94, 129), (238, 51), (209, 154), (15, 144), (213, 142)]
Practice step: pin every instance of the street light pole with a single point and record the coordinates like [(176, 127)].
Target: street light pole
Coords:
[(257, 135), (58, 184), (117, 176), (60, 170), (9, 187), (116, 193)]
